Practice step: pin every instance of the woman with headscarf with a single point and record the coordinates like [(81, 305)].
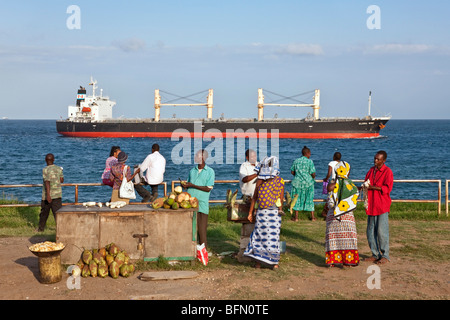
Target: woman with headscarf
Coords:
[(341, 244), (303, 184), (268, 196), (117, 176), (112, 160)]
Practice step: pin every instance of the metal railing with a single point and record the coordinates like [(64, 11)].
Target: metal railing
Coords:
[(438, 201), (76, 185), (446, 196)]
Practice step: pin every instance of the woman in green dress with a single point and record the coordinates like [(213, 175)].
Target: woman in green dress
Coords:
[(303, 183)]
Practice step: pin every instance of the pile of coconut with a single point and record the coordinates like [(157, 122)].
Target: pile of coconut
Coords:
[(175, 200)]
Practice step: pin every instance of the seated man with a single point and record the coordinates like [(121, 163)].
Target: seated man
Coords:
[(154, 167)]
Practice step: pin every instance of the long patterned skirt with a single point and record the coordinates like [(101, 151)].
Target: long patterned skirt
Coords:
[(264, 242), (341, 243), (305, 201)]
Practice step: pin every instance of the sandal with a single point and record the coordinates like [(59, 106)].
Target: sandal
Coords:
[(371, 259), (275, 267), (382, 261)]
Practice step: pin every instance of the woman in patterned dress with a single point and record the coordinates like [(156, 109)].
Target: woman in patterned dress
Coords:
[(303, 183), (117, 176), (269, 194), (341, 243)]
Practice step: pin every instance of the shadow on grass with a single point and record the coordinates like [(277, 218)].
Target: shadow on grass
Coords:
[(226, 237)]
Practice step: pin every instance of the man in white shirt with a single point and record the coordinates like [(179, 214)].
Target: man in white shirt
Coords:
[(154, 167), (247, 183), (247, 174)]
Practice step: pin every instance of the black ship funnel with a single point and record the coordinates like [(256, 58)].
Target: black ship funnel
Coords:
[(81, 95)]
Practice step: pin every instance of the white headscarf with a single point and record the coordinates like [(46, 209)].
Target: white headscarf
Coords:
[(268, 168)]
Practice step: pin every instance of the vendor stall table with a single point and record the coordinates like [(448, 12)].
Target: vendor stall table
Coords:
[(143, 232)]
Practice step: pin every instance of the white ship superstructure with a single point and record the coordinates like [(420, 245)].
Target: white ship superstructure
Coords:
[(91, 108)]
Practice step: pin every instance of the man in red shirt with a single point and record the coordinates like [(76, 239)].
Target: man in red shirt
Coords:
[(379, 203)]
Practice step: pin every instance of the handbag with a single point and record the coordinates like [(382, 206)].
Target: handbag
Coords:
[(324, 187), (126, 190)]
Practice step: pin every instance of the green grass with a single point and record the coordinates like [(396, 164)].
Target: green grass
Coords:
[(22, 221), (305, 239), (417, 235)]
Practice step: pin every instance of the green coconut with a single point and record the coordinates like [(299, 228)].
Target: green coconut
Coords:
[(114, 270), (102, 251), (113, 250), (102, 271), (120, 258), (85, 272), (109, 258), (93, 268), (97, 257), (86, 256)]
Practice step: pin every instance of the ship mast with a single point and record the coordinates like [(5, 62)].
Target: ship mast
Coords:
[(370, 103), (93, 84)]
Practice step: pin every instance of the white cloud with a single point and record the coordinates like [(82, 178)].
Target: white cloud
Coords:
[(130, 45), (398, 48), (300, 49)]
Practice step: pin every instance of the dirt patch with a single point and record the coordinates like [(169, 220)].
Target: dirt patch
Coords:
[(403, 278)]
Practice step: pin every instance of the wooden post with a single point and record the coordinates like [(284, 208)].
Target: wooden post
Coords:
[(446, 197), (76, 193)]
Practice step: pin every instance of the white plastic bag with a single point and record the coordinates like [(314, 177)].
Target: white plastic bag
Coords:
[(126, 190)]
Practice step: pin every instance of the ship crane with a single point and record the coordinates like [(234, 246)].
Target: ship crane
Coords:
[(315, 105), (208, 104)]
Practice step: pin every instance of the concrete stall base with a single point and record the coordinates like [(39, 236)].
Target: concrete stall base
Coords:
[(143, 232)]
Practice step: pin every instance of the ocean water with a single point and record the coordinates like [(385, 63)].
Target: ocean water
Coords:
[(417, 149)]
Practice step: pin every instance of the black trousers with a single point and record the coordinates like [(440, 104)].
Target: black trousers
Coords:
[(144, 193), (202, 225), (55, 205)]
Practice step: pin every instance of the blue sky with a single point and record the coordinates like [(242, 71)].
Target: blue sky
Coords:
[(234, 47)]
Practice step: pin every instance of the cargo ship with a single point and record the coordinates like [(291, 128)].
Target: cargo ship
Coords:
[(92, 117)]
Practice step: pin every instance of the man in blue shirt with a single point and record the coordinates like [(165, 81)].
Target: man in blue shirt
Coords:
[(199, 184)]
